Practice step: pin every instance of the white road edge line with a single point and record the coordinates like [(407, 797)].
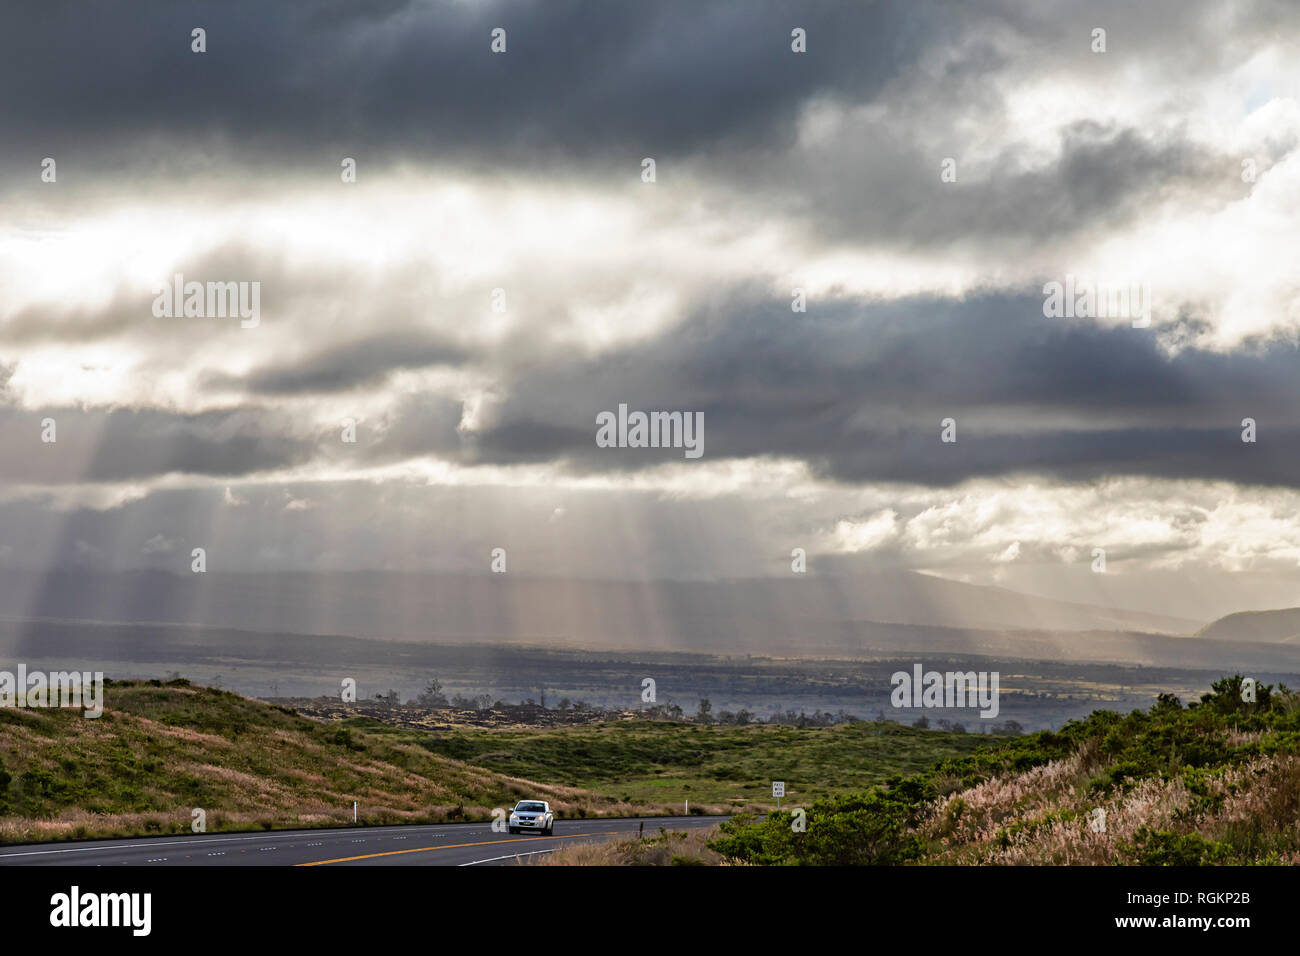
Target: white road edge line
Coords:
[(508, 856)]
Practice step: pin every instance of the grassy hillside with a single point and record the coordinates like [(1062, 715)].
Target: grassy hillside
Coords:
[(1217, 781), (161, 750)]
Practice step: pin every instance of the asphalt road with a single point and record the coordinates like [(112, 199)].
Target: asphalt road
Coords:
[(448, 844)]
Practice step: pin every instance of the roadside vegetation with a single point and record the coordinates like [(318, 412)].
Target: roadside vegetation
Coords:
[(729, 768), (667, 848), (1213, 782)]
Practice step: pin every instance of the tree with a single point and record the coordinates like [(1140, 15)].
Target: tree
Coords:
[(432, 695), (705, 713)]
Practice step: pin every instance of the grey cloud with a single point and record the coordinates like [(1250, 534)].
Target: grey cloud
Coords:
[(1105, 176), (125, 313), (414, 426), (109, 445), (859, 390), (346, 366)]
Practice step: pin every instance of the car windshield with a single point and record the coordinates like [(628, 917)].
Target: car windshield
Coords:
[(531, 807)]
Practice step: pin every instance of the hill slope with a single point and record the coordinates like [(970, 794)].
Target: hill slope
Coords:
[(1265, 627), (161, 750)]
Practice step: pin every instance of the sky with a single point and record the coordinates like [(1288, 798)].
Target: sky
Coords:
[(501, 272)]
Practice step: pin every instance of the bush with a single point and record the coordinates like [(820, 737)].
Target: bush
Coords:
[(880, 826), (1166, 848)]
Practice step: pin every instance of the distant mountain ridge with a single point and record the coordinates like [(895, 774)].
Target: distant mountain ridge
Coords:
[(727, 616), (1281, 626)]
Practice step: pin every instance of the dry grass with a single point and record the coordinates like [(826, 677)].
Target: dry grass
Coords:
[(669, 848), (1042, 816)]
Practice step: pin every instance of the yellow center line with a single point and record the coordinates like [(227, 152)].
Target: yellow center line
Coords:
[(445, 846)]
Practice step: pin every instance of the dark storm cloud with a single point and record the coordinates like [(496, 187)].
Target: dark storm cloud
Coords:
[(117, 445), (859, 390), (305, 79)]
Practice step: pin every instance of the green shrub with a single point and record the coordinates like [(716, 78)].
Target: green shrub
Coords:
[(1166, 848)]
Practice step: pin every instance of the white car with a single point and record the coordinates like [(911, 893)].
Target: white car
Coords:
[(532, 815)]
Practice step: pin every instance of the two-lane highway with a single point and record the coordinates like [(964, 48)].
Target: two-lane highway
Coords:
[(448, 844)]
